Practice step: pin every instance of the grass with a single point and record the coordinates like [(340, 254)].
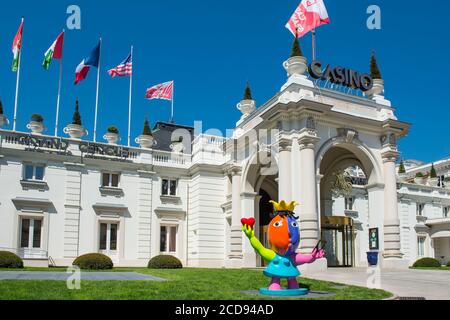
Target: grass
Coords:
[(431, 268), (182, 284)]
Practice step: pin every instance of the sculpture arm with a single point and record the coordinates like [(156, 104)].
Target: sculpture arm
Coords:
[(267, 254), (309, 258)]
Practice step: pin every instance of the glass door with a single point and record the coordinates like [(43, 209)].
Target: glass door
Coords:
[(337, 234), (108, 239)]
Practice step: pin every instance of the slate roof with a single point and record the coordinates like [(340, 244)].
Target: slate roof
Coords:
[(163, 133)]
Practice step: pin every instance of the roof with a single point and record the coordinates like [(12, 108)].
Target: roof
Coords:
[(164, 133)]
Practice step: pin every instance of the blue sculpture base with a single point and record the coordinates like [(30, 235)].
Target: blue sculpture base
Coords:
[(285, 292)]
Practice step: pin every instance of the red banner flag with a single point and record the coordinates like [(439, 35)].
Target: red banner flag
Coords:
[(163, 91), (309, 15)]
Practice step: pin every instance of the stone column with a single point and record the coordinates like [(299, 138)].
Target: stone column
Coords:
[(248, 202), (284, 170), (235, 237), (392, 255), (309, 219)]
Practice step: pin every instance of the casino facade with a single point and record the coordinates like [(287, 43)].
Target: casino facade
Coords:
[(64, 197)]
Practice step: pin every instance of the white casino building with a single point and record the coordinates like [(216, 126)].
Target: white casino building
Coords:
[(63, 197)]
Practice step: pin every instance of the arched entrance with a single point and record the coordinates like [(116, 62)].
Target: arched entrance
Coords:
[(345, 216), (260, 179)]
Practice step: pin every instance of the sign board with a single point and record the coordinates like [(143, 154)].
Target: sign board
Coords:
[(374, 242), (341, 76)]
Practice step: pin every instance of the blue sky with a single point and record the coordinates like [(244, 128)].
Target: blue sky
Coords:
[(211, 48)]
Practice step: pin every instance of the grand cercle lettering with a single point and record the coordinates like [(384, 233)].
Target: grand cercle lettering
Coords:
[(341, 76)]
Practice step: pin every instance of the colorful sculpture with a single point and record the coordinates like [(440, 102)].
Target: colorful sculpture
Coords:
[(284, 239)]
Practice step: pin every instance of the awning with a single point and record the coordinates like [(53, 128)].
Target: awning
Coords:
[(441, 234)]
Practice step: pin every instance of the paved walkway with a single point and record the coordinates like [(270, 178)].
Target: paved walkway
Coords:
[(91, 276), (430, 284)]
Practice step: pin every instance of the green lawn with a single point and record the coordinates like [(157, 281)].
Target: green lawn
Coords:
[(183, 284), (425, 268)]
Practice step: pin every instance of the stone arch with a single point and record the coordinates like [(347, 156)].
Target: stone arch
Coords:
[(259, 165), (361, 153)]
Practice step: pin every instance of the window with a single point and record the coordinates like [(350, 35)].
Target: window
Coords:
[(419, 209), (421, 246), (31, 233), (33, 172), (446, 212), (110, 180), (108, 238), (169, 187), (349, 202), (168, 239)]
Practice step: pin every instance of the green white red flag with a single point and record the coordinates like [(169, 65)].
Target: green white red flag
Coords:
[(17, 46), (54, 52)]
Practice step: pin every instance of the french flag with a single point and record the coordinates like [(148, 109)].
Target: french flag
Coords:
[(92, 61)]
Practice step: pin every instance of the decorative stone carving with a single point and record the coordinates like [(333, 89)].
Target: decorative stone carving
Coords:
[(389, 139), (311, 123), (348, 134)]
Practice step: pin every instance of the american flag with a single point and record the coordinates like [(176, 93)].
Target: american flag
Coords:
[(124, 69), (163, 91)]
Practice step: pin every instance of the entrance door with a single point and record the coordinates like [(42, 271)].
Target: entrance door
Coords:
[(337, 234), (108, 239)]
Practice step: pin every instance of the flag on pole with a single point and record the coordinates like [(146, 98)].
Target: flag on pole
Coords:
[(17, 46), (54, 52), (92, 61), (124, 69), (309, 15), (163, 91)]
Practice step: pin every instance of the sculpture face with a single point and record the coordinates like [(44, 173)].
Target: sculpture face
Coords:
[(284, 236)]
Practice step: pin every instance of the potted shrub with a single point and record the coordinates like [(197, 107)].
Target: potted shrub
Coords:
[(433, 180), (247, 105), (297, 63), (36, 124), (419, 178), (378, 82), (146, 140), (112, 136), (3, 120), (76, 130)]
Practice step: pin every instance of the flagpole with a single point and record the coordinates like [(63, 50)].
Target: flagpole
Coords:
[(314, 44), (130, 100), (96, 95), (18, 82), (173, 98), (59, 94)]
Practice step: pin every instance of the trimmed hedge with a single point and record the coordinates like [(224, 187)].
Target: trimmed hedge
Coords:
[(10, 260), (93, 261), (427, 263), (448, 264), (164, 262)]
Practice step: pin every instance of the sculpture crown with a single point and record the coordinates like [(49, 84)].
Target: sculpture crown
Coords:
[(283, 206)]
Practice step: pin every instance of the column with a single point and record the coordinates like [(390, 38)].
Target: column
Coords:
[(235, 237), (248, 203), (284, 170), (391, 217), (309, 218)]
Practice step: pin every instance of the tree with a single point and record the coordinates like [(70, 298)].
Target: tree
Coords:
[(37, 118), (374, 70), (296, 49), (248, 92), (433, 173), (402, 169), (147, 131), (1, 107), (76, 115)]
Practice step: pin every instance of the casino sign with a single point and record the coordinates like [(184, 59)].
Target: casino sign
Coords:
[(341, 76)]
